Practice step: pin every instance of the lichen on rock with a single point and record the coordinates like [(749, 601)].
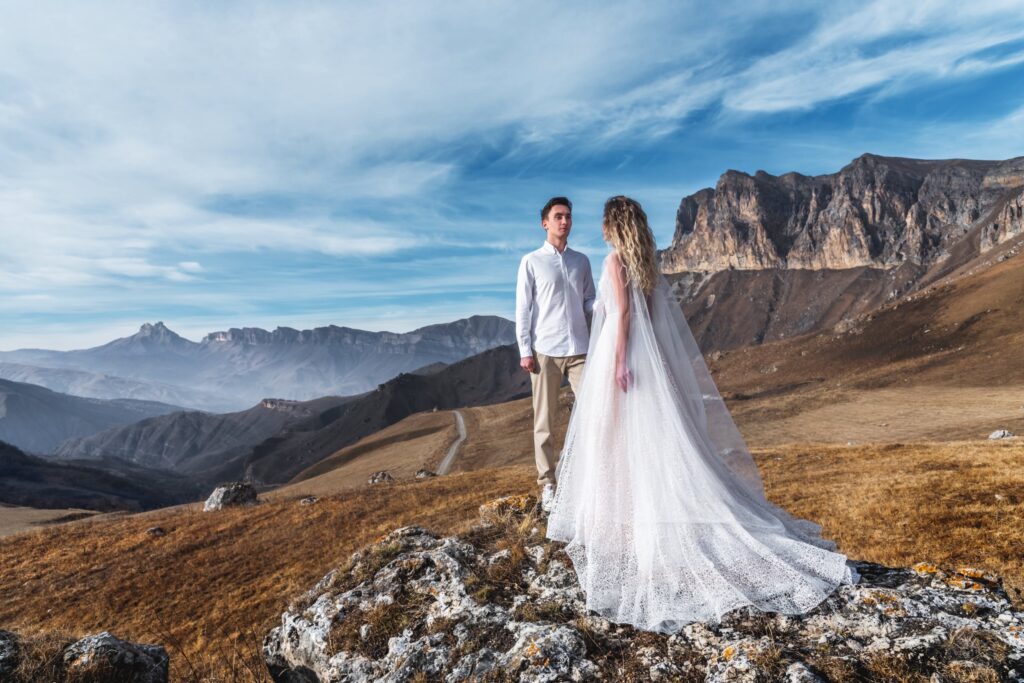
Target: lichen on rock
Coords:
[(501, 603)]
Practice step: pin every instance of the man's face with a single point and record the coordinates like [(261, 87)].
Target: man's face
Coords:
[(559, 221)]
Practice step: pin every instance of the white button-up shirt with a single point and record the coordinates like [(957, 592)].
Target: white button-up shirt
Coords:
[(554, 302)]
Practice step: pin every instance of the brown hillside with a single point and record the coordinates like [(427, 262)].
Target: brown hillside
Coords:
[(943, 364), (417, 442), (217, 582)]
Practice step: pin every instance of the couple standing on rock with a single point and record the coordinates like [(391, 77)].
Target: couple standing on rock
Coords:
[(655, 492)]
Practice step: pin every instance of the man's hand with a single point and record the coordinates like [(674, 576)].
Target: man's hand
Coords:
[(527, 363)]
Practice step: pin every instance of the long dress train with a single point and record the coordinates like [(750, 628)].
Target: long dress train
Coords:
[(658, 499)]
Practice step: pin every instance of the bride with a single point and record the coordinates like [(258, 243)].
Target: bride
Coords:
[(658, 499)]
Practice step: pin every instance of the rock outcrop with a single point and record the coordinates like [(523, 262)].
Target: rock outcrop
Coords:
[(98, 657), (764, 257), (501, 603), (877, 211), (233, 494), (106, 655), (380, 477), (10, 654)]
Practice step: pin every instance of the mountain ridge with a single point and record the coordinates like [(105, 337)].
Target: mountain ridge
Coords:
[(762, 257), (876, 211), (274, 440), (245, 365), (36, 419), (98, 485)]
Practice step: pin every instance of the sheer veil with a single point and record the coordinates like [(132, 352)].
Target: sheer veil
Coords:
[(659, 500)]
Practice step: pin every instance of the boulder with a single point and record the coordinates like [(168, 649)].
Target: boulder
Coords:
[(10, 654), (502, 598), (106, 657), (381, 477), (425, 474), (1000, 434), (309, 500), (232, 494), (156, 531)]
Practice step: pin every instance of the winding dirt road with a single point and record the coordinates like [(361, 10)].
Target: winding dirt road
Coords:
[(453, 450)]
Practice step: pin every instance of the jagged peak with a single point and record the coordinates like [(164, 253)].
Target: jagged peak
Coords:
[(160, 332), (153, 328)]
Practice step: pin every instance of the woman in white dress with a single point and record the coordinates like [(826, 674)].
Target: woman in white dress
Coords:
[(658, 499)]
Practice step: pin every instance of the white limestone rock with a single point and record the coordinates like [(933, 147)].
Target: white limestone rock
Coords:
[(233, 494)]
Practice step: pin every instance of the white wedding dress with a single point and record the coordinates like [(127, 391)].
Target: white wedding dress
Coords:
[(658, 499)]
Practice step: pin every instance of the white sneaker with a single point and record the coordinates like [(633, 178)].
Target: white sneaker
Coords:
[(547, 497)]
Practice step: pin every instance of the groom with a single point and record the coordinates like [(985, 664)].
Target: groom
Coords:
[(554, 302)]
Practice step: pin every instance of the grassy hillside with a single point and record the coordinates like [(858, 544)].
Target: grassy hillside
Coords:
[(944, 364), (213, 585)]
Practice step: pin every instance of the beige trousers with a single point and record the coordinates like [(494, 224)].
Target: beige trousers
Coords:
[(545, 384)]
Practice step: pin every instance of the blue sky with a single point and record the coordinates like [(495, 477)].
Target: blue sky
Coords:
[(382, 165)]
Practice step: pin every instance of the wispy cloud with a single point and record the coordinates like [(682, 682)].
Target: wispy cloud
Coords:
[(223, 158)]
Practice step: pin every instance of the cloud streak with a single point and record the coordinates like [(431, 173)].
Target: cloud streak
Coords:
[(174, 148)]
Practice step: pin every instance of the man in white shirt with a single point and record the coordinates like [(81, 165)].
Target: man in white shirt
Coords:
[(554, 302)]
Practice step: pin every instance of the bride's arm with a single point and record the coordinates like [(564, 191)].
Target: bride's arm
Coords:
[(618, 280)]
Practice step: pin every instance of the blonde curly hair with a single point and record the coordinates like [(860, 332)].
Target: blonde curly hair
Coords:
[(625, 227)]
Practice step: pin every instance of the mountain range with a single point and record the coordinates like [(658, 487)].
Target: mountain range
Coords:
[(37, 419), (276, 439), (234, 369), (761, 257), (758, 261)]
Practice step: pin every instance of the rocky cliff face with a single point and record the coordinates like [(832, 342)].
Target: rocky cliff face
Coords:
[(764, 257), (877, 211)]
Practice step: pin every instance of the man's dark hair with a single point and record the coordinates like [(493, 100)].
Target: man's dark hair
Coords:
[(555, 201)]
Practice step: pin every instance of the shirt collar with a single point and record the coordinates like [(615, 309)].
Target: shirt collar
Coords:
[(550, 248)]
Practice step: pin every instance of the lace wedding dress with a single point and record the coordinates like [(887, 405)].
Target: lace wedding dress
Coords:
[(658, 499)]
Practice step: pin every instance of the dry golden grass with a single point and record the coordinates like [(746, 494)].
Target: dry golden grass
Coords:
[(217, 582), (502, 434), (897, 504), (418, 441), (900, 414), (944, 365)]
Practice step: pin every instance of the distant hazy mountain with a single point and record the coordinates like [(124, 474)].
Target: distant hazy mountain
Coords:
[(99, 485), (275, 440), (37, 419), (96, 385), (243, 366), (762, 257)]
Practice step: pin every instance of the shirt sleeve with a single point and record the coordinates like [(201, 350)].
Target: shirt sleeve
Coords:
[(524, 310), (589, 291)]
